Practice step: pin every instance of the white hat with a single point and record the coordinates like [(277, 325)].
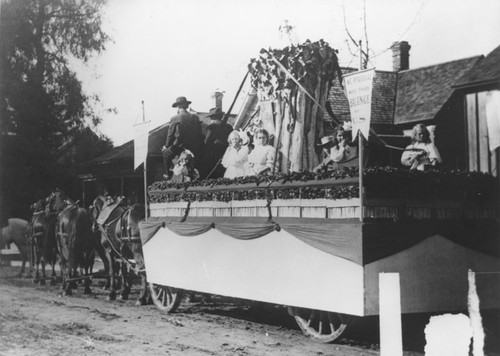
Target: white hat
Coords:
[(325, 140)]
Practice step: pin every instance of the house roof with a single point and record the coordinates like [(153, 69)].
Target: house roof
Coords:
[(487, 71), (126, 151), (156, 140), (383, 94), (422, 92)]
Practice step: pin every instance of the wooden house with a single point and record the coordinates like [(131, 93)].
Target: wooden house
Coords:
[(476, 88)]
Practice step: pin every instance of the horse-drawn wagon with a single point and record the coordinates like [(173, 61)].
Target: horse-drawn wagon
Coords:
[(309, 242)]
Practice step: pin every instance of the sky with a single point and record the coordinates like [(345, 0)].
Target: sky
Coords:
[(163, 49)]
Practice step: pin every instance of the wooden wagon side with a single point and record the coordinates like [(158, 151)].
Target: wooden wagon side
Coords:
[(318, 257)]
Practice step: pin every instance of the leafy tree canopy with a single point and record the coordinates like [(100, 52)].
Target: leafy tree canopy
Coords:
[(42, 103)]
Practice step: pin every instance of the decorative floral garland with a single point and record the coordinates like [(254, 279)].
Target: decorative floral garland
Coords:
[(380, 182), (345, 172), (335, 192)]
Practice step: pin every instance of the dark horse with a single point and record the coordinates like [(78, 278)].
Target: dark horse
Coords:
[(76, 244), (120, 238), (95, 209), (42, 236)]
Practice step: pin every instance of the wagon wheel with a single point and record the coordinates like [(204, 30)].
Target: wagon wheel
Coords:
[(165, 298), (319, 325)]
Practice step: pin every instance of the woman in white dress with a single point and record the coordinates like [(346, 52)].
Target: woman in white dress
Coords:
[(235, 157), (261, 159), (422, 152)]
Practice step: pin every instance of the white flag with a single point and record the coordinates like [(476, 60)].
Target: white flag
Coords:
[(493, 118), (141, 135), (358, 88)]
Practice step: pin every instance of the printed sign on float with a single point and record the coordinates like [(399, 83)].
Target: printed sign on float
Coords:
[(358, 88), (141, 135)]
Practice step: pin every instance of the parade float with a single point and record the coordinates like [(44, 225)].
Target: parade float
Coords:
[(316, 242)]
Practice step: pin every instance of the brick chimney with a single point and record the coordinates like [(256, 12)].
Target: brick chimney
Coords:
[(400, 56), (218, 95)]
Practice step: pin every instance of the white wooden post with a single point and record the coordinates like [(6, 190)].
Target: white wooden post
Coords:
[(391, 340), (475, 317)]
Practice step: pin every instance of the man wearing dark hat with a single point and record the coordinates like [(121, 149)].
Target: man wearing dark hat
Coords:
[(184, 132), (215, 144)]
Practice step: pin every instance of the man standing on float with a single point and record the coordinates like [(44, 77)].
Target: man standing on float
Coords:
[(184, 132)]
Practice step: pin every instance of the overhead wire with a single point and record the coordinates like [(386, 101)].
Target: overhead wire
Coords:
[(405, 31)]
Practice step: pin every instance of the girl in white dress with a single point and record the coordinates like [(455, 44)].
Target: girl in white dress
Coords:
[(261, 159), (422, 152), (235, 157)]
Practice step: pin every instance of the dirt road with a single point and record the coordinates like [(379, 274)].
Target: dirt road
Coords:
[(37, 320)]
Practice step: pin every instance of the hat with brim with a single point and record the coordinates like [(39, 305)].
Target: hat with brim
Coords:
[(325, 140), (180, 100), (215, 113)]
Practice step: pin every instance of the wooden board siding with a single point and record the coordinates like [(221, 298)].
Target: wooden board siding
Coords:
[(482, 131), (480, 158), (495, 155), (472, 131)]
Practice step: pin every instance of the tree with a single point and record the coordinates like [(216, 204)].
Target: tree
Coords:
[(43, 105)]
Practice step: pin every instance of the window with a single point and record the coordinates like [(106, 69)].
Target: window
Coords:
[(480, 158)]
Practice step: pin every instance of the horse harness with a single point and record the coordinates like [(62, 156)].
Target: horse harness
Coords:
[(33, 235), (126, 232), (68, 207)]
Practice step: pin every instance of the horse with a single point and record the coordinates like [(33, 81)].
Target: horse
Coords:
[(15, 232), (76, 244), (42, 236), (119, 227), (95, 209)]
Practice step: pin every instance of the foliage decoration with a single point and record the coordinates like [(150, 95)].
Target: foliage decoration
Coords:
[(392, 182), (380, 182), (344, 172), (310, 60)]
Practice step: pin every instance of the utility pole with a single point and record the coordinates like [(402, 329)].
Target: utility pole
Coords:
[(360, 150)]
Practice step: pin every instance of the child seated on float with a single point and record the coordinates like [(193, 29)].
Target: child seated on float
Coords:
[(184, 170), (341, 149), (235, 157), (421, 152)]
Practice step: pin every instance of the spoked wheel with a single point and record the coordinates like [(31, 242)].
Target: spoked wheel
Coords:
[(319, 325), (165, 298)]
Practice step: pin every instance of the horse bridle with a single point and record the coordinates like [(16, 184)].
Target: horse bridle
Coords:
[(104, 229)]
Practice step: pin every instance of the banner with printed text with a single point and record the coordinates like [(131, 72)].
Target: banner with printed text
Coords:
[(358, 87), (141, 135)]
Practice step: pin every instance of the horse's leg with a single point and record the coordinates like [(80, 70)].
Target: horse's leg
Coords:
[(125, 289), (88, 261), (23, 252), (23, 266), (32, 258), (144, 292), (36, 278), (87, 281), (66, 275), (42, 263), (53, 262), (139, 264), (112, 281), (102, 254), (53, 275), (73, 270)]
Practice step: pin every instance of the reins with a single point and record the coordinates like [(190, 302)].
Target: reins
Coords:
[(105, 226)]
